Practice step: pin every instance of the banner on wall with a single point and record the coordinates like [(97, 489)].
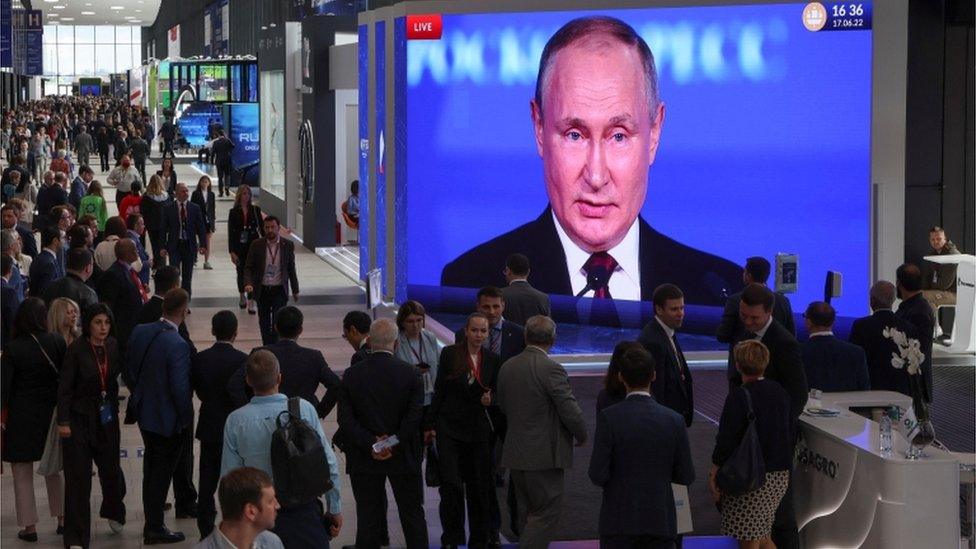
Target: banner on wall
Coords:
[(216, 23), (6, 33), (27, 42), (173, 42), (135, 86)]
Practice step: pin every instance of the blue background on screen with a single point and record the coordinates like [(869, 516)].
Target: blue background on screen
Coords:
[(765, 146), (195, 119), (245, 132)]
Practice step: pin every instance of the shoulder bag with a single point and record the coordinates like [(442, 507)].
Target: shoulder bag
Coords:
[(745, 470)]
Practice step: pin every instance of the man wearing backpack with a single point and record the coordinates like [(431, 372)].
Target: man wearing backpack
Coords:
[(248, 436)]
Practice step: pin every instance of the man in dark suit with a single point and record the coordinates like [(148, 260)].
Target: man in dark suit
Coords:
[(382, 396), (268, 275), (46, 268), (672, 383), (10, 218), (209, 373), (831, 365), (639, 449), (868, 333), (162, 400), (79, 186), (121, 289), (80, 266), (185, 494), (786, 368), (222, 151), (505, 338), (9, 301), (590, 241), (522, 301), (916, 310), (355, 330), (184, 235), (51, 194), (302, 369)]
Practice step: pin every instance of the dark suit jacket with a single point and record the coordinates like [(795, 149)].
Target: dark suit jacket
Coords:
[(161, 395), (705, 279), (47, 198), (867, 333), (222, 150), (833, 365), (918, 311), (256, 260), (210, 371), (29, 240), (73, 288), (513, 339), (196, 228), (9, 302), (302, 370), (80, 387), (381, 395), (785, 366), (235, 226), (731, 327), (44, 270), (152, 311), (78, 191), (522, 302), (116, 289), (456, 410), (639, 449), (29, 392), (672, 385), (209, 208)]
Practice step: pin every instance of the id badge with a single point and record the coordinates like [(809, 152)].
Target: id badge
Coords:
[(244, 237), (271, 271), (105, 413)]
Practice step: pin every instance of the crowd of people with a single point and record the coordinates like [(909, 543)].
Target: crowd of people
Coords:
[(99, 301)]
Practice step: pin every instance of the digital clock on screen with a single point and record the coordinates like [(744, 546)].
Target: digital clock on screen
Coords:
[(827, 16)]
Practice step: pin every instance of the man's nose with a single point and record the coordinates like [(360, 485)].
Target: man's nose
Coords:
[(595, 172)]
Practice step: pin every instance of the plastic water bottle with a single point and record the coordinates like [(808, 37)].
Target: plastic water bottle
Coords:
[(885, 434)]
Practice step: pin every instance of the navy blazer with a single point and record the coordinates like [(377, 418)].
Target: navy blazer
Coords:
[(672, 386), (28, 239), (78, 191), (302, 370), (47, 198), (639, 449), (115, 288), (210, 371), (161, 395), (196, 227), (44, 270), (9, 302), (833, 365), (513, 339)]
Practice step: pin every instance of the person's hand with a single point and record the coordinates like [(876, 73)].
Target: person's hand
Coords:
[(233, 258), (386, 454), (163, 253), (335, 522), (294, 297), (203, 251), (713, 484), (248, 288), (64, 431), (429, 436), (486, 398)]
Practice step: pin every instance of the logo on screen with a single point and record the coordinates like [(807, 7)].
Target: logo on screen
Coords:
[(424, 27), (814, 16)]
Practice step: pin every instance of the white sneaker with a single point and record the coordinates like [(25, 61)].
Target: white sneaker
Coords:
[(116, 526), (207, 266)]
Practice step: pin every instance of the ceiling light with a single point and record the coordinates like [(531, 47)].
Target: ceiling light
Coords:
[(50, 1), (129, 17), (67, 18), (59, 7), (88, 13), (51, 14), (117, 8), (138, 11), (135, 20)]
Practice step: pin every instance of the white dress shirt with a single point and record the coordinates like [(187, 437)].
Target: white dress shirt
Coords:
[(625, 280), (762, 332)]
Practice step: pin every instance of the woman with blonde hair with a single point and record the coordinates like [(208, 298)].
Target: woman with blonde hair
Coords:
[(244, 226), (62, 318), (151, 208)]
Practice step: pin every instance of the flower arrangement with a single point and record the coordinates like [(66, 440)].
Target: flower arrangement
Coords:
[(910, 357)]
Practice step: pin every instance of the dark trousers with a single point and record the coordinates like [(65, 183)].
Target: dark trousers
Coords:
[(167, 147), (408, 490), (785, 534), (272, 299), (141, 168), (465, 470), (182, 256), (156, 239), (635, 542), (210, 452), (183, 490), (302, 526), (540, 497), (103, 158), (224, 172), (241, 261), (90, 442), (159, 463)]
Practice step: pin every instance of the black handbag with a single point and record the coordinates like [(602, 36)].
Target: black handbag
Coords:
[(745, 470), (432, 475)]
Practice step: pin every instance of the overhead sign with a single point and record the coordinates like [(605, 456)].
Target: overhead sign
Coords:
[(27, 43), (173, 43), (6, 34)]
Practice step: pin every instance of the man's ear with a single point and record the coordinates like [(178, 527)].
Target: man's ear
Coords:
[(657, 123), (537, 124)]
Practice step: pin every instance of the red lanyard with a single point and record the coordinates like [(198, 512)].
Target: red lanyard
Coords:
[(476, 366), (273, 256), (419, 356), (102, 363)]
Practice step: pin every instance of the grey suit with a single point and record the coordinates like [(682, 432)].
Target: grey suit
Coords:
[(543, 419), (522, 302)]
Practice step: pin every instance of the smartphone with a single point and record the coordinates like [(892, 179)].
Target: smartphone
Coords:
[(388, 442)]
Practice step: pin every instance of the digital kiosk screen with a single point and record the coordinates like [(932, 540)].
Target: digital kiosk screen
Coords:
[(194, 120), (757, 142)]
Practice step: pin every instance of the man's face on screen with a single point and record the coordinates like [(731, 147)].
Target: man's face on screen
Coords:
[(597, 137)]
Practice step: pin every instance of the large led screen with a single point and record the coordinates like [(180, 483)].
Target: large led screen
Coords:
[(757, 143)]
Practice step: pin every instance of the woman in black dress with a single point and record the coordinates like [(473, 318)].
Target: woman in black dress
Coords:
[(88, 422), (29, 368), (204, 197), (168, 175), (244, 225), (459, 420)]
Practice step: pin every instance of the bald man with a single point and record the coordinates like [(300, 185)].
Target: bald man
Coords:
[(184, 235), (121, 289)]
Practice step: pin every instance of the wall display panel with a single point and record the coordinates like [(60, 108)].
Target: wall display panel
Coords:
[(273, 132), (761, 145), (244, 131), (213, 82), (194, 121)]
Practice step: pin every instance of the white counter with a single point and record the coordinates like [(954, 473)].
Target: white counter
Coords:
[(848, 495)]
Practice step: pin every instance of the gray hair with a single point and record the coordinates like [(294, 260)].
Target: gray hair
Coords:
[(262, 370), (7, 239), (383, 334), (540, 330), (882, 295)]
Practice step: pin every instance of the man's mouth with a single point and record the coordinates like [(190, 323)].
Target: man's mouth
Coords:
[(593, 209)]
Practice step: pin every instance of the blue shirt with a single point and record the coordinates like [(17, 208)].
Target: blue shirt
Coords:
[(247, 440)]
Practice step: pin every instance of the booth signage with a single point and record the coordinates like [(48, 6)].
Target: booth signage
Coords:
[(424, 27)]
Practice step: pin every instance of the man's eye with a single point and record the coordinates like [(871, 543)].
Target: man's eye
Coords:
[(574, 136), (619, 137)]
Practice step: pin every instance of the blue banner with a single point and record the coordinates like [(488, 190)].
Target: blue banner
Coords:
[(6, 34), (245, 132), (380, 154), (28, 37), (364, 187)]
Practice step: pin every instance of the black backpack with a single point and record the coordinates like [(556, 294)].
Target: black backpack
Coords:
[(745, 470), (301, 472)]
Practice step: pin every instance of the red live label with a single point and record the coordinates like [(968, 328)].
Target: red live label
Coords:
[(424, 27)]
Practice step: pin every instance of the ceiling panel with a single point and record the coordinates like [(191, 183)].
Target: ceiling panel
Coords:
[(98, 12)]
